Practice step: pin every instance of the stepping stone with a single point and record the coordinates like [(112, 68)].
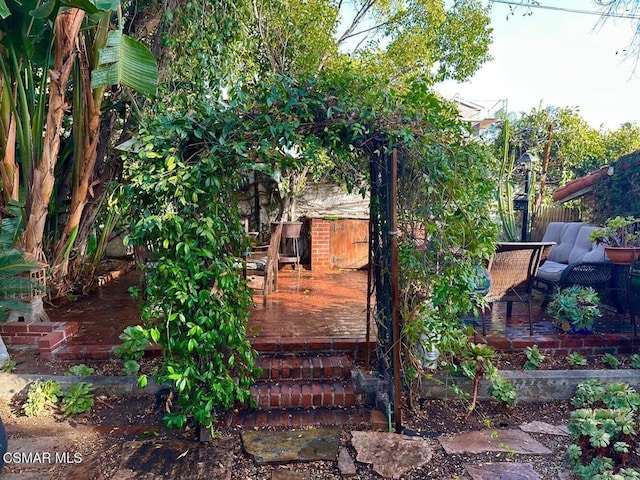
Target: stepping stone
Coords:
[(502, 471), (292, 446), (492, 440), (155, 460), (346, 465), (545, 428), (391, 455)]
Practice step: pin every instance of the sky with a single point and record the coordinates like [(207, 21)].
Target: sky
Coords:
[(553, 58)]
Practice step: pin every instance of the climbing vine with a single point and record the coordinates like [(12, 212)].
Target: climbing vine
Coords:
[(183, 184)]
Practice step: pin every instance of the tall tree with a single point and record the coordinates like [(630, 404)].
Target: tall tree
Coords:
[(395, 41), (44, 45)]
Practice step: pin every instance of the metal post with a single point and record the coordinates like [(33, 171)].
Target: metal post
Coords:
[(395, 280), (525, 213)]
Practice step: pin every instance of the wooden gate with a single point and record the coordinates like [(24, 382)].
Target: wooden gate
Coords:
[(349, 243), (545, 215)]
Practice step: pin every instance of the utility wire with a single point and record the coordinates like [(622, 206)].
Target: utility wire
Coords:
[(568, 10)]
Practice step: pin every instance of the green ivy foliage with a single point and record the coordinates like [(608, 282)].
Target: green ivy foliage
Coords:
[(617, 195), (182, 185)]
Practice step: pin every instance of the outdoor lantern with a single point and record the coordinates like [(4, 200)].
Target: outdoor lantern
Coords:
[(526, 159)]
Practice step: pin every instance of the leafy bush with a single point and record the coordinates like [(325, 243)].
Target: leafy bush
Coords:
[(574, 359), (80, 370), (503, 391), (78, 399), (604, 432), (611, 360), (534, 358), (575, 308), (41, 397), (8, 366)]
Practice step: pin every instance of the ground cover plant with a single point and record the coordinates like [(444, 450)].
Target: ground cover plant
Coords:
[(604, 429), (44, 398)]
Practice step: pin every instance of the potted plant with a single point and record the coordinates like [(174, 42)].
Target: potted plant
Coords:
[(575, 309), (621, 239)]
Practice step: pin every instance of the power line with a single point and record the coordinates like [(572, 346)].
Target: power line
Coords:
[(568, 10)]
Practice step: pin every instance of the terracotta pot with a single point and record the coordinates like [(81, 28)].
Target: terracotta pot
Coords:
[(622, 255)]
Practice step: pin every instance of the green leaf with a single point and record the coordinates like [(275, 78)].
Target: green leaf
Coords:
[(4, 10), (125, 61), (155, 334), (43, 11)]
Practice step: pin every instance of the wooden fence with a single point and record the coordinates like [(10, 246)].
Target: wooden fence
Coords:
[(544, 215)]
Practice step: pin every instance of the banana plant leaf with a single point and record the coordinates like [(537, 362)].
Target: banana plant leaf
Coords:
[(128, 62)]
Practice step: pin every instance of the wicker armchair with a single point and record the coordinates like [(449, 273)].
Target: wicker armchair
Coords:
[(511, 272)]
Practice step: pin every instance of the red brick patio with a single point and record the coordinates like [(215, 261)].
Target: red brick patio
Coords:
[(311, 311)]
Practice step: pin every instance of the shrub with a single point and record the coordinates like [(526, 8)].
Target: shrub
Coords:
[(78, 399), (576, 360), (604, 432), (41, 397), (534, 358), (80, 370)]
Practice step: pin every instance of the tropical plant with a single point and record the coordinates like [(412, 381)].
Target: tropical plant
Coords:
[(575, 308), (505, 188), (618, 232), (35, 87)]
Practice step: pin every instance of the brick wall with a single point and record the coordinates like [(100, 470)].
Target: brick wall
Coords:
[(47, 336), (320, 243)]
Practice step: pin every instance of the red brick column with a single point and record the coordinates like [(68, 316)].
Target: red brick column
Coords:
[(320, 240)]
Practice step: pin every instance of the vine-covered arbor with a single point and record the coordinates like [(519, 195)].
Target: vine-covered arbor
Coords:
[(183, 186)]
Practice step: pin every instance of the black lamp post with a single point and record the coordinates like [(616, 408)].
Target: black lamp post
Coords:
[(526, 159)]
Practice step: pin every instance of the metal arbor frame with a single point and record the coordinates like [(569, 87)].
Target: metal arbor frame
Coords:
[(384, 273)]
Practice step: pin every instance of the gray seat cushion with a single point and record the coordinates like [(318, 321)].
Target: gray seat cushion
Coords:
[(584, 249), (551, 271), (560, 252), (553, 232)]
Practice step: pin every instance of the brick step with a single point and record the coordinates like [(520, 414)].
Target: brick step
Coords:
[(301, 394), (328, 368), (353, 347), (351, 417)]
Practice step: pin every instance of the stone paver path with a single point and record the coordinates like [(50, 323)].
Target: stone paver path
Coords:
[(502, 471), (545, 428), (391, 455), (292, 446), (492, 440)]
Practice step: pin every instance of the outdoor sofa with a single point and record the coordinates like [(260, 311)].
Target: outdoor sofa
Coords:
[(573, 260)]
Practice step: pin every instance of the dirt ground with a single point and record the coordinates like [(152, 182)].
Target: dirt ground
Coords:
[(115, 425), (101, 439)]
